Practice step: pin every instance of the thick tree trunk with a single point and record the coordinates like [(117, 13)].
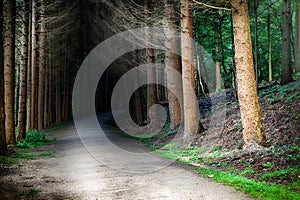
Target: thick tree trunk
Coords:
[(152, 97), (286, 63), (41, 92), (9, 66), (190, 108), (33, 123), (251, 119), (256, 42), (23, 75), (172, 61), (2, 108), (297, 45), (138, 100)]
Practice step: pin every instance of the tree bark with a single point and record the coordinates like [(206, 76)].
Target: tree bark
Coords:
[(9, 66), (33, 123), (138, 100), (190, 108), (269, 46), (297, 45), (172, 61), (256, 42), (152, 97), (23, 75), (251, 119), (286, 63), (2, 108), (41, 92)]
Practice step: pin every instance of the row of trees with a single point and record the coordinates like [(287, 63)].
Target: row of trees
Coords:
[(44, 43), (39, 47)]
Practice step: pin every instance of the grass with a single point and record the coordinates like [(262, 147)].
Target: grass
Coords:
[(255, 189), (30, 193), (33, 139)]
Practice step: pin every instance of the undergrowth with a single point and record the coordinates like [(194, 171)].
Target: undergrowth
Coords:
[(34, 138)]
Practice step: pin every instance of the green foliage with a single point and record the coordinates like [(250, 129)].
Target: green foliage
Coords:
[(267, 165), (247, 171), (34, 138), (6, 161), (279, 173), (281, 93)]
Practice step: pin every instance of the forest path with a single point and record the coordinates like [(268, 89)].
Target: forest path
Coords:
[(73, 173)]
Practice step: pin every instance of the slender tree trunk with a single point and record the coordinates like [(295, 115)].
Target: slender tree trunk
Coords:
[(58, 97), (28, 101), (46, 95), (297, 45), (251, 119), (286, 63), (50, 80), (234, 84), (2, 108), (217, 51), (269, 47), (23, 75), (17, 72), (9, 66), (33, 125), (172, 61), (41, 92), (192, 124)]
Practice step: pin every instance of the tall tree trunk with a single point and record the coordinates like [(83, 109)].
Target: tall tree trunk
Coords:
[(29, 85), (2, 108), (50, 90), (41, 92), (251, 119), (9, 66), (45, 119), (33, 124), (190, 108), (172, 61), (152, 97), (269, 46), (23, 75), (58, 96), (297, 45), (286, 63)]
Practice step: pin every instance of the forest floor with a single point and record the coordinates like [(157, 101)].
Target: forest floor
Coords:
[(220, 148), (66, 170)]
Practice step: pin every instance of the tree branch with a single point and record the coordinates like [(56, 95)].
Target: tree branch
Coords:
[(209, 6)]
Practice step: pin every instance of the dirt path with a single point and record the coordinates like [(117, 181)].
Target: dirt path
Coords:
[(72, 173)]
